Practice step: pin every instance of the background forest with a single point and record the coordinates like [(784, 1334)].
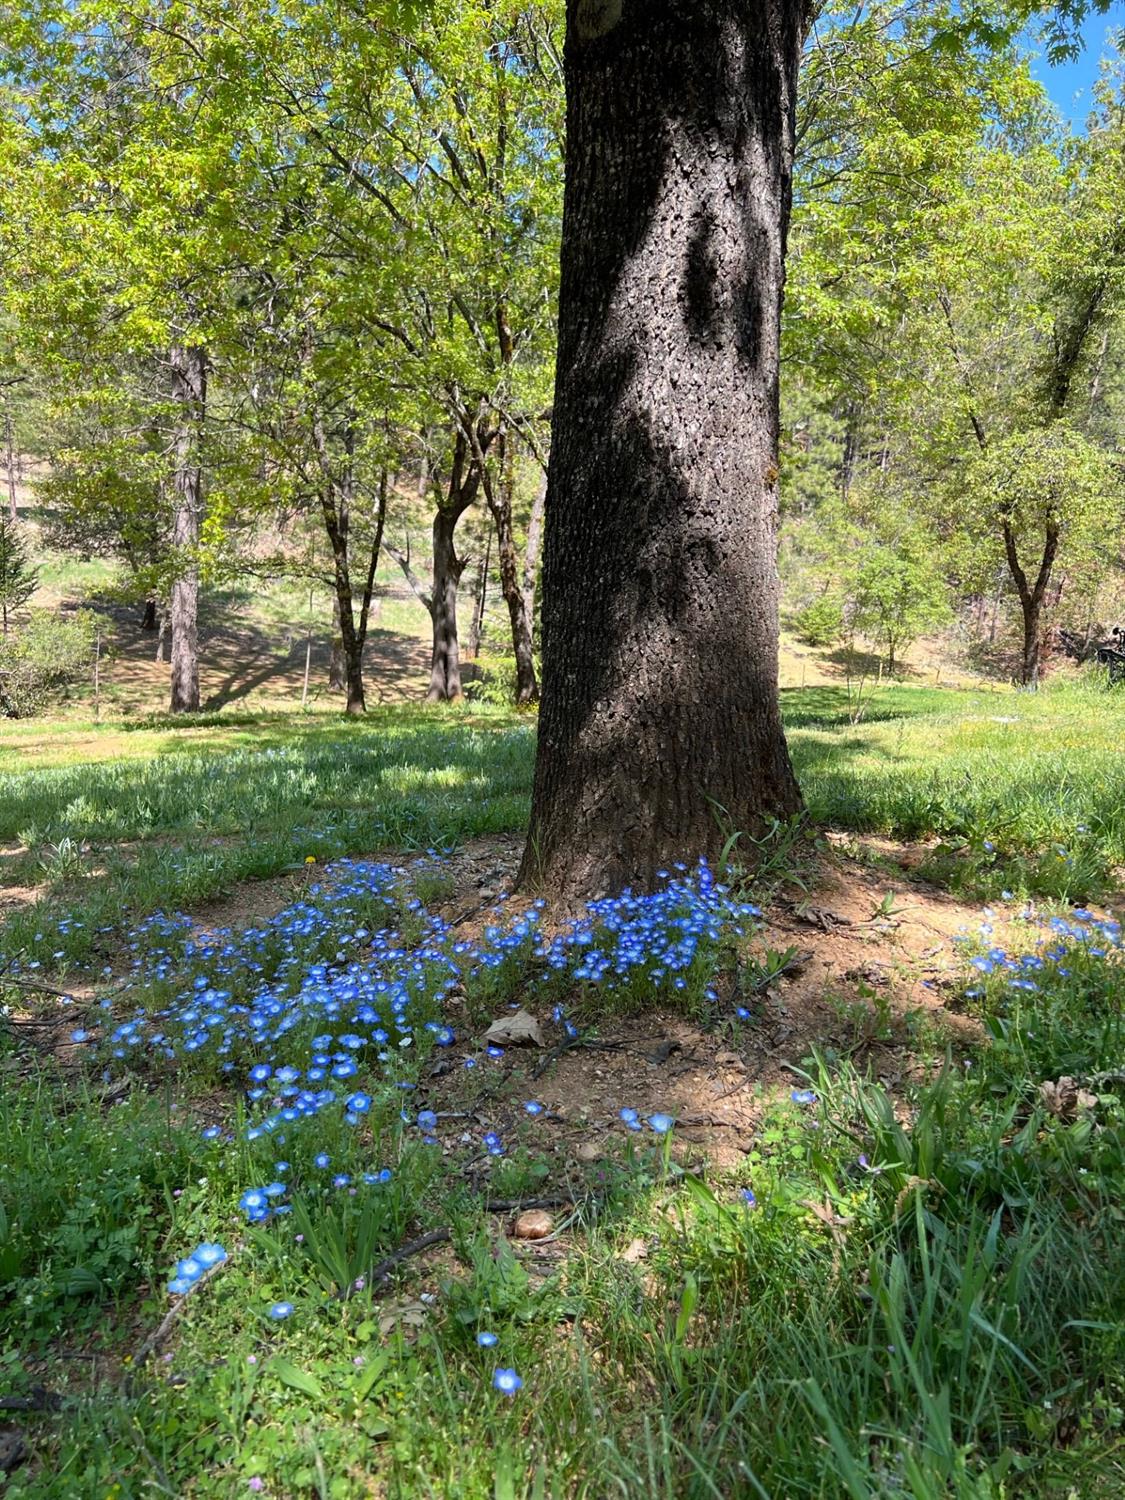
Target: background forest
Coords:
[(277, 324)]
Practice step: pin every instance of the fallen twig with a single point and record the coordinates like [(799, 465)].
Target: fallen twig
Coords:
[(160, 1333)]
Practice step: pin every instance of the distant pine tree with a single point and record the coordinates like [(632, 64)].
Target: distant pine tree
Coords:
[(18, 578)]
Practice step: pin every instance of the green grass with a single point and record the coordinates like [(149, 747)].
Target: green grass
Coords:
[(925, 1301), (1033, 768), (1027, 794)]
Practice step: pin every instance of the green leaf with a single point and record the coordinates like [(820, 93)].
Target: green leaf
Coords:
[(371, 1373), (300, 1380)]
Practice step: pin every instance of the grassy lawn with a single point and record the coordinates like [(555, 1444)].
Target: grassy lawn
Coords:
[(906, 1281)]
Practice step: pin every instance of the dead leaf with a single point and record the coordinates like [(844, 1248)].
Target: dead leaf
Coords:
[(634, 1251), (1065, 1098), (519, 1029), (409, 1316)]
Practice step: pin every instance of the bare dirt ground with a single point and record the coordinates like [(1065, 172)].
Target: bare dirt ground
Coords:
[(863, 982), (872, 974), (243, 663)]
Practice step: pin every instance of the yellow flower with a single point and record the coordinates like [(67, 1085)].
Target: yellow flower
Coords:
[(310, 859)]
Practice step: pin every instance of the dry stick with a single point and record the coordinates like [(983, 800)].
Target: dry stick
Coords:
[(156, 1338), (39, 986), (590, 1044)]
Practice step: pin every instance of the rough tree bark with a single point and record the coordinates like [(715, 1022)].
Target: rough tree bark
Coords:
[(499, 492), (1031, 598), (440, 599), (189, 391), (660, 589)]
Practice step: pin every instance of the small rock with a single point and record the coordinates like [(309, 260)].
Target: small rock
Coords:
[(533, 1224), (587, 1151), (13, 1449), (729, 1060)]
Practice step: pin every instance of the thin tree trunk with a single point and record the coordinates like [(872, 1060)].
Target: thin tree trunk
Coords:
[(10, 458), (334, 512), (996, 598), (660, 605), (337, 678), (531, 554), (470, 446), (1029, 658), (189, 391), (480, 593), (499, 498), (445, 660), (148, 619), (1031, 598)]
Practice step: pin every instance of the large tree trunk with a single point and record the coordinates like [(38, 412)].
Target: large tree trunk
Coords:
[(445, 661), (189, 391), (660, 600)]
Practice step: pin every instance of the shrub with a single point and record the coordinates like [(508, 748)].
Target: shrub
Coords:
[(820, 623), (495, 680), (18, 579), (42, 658)]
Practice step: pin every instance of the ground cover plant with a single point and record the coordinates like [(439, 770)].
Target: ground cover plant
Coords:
[(263, 1177)]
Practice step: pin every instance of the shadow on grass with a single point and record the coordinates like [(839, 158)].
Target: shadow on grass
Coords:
[(833, 707)]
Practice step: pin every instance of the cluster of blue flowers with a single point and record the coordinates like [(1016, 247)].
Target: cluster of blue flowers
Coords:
[(1095, 936), (377, 994), (194, 1267), (302, 1011), (654, 938)]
